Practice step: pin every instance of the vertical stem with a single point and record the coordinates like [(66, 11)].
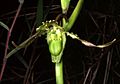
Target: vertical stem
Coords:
[(59, 73), (74, 15), (8, 38)]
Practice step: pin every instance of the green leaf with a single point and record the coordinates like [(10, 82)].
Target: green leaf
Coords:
[(4, 25), (39, 15), (65, 5), (24, 44), (74, 15)]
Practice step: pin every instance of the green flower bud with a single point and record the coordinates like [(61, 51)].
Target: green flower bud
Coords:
[(55, 47), (56, 40)]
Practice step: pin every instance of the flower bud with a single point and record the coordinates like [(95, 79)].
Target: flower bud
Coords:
[(55, 47)]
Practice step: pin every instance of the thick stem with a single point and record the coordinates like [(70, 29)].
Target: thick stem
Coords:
[(59, 73)]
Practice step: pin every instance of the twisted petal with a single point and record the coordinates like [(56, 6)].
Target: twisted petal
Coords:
[(89, 44)]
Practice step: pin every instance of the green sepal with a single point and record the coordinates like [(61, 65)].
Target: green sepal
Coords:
[(55, 47), (57, 59), (56, 41)]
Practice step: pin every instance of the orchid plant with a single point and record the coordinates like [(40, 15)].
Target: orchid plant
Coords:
[(56, 37)]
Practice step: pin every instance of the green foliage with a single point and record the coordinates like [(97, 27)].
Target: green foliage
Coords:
[(65, 6), (39, 15)]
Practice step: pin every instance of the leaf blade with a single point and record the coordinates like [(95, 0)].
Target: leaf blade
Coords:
[(4, 25)]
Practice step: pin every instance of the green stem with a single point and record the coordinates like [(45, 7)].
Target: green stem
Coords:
[(74, 15), (67, 26), (59, 73)]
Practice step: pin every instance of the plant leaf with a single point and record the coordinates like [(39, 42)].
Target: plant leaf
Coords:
[(4, 25), (65, 5), (25, 43), (73, 16)]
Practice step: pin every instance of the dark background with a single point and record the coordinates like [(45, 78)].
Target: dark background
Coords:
[(98, 22)]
